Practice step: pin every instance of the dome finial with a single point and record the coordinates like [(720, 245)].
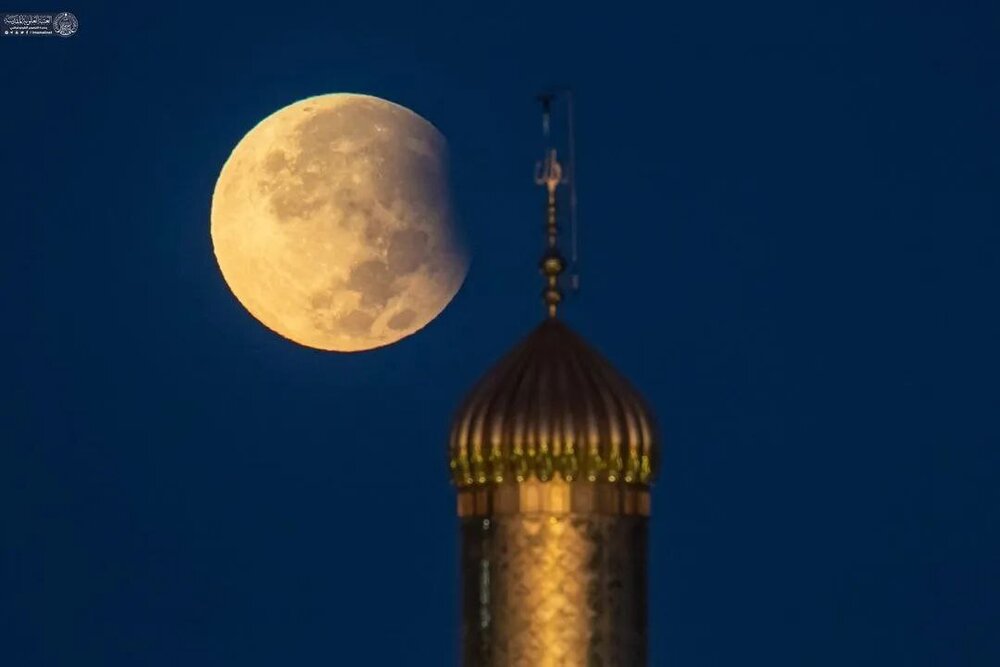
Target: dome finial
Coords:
[(549, 173)]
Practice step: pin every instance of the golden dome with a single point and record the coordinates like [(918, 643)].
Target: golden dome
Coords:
[(553, 407)]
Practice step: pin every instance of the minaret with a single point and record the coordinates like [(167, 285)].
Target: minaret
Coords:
[(552, 454)]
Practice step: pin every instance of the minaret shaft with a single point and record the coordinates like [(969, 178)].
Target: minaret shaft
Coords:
[(550, 589)]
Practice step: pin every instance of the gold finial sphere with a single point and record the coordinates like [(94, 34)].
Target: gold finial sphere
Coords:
[(552, 265)]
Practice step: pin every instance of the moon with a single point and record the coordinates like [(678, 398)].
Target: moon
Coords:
[(333, 225)]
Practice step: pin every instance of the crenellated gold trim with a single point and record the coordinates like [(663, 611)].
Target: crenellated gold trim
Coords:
[(554, 497), (543, 465)]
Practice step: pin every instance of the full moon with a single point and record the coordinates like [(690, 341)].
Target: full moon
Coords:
[(332, 223)]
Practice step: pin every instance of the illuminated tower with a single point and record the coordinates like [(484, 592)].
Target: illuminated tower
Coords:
[(552, 454)]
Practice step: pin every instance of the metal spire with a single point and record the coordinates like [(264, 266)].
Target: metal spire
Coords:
[(551, 174)]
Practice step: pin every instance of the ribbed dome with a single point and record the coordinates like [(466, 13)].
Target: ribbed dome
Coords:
[(553, 406)]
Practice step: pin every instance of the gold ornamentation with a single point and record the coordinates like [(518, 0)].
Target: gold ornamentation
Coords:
[(554, 496), (544, 466)]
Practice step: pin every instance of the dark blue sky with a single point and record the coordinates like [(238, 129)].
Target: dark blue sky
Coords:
[(790, 232)]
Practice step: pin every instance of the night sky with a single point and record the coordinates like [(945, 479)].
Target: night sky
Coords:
[(790, 243)]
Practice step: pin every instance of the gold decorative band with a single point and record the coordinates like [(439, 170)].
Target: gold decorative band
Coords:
[(554, 497)]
